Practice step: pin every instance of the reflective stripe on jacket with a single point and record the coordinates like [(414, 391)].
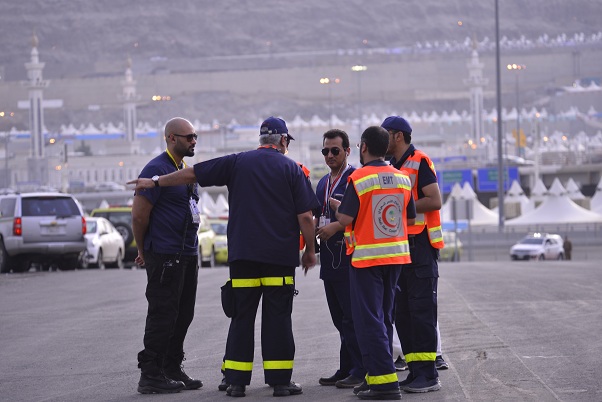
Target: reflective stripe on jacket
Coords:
[(379, 235), (431, 219)]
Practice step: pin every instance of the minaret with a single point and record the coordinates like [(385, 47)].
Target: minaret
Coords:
[(35, 86), (476, 82), (129, 98), (37, 164)]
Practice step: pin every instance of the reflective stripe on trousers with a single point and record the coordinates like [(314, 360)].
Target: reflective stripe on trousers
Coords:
[(421, 357)]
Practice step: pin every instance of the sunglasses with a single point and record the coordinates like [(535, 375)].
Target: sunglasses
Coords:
[(334, 151), (189, 137)]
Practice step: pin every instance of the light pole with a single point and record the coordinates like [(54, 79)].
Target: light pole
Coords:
[(359, 69), (328, 82), (498, 83), (517, 68)]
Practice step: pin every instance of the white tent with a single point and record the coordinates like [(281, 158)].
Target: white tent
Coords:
[(573, 190), (206, 204), (539, 192), (481, 215), (515, 194), (221, 206), (557, 208), (596, 201)]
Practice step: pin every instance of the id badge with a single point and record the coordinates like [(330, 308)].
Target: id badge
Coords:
[(194, 211), (323, 221)]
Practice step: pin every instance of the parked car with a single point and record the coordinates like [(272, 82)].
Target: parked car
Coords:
[(105, 245), (220, 244), (452, 251), (109, 186), (206, 237), (538, 246), (43, 228), (121, 218)]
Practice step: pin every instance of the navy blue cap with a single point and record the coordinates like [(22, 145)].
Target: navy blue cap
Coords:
[(274, 125), (397, 123)]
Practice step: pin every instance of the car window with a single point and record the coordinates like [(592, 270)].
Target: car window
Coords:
[(219, 228), (91, 226), (48, 206), (7, 207), (532, 240), (116, 217)]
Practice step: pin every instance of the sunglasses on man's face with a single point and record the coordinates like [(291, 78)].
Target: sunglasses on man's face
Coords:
[(334, 151), (189, 137)]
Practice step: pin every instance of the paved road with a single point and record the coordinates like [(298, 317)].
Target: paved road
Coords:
[(511, 332)]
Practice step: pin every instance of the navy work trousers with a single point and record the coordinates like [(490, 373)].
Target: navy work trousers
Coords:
[(274, 284), (170, 306), (339, 304), (372, 301), (416, 319)]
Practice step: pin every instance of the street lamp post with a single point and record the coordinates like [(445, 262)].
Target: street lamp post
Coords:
[(359, 69), (498, 83), (516, 68), (328, 82)]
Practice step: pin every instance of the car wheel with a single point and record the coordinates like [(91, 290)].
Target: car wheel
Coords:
[(4, 259), (541, 257), (101, 261), (126, 232), (560, 257), (119, 261), (211, 262), (84, 262)]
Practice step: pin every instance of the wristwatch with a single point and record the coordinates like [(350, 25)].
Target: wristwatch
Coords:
[(155, 179)]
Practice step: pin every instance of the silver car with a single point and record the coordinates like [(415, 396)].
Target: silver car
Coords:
[(43, 228)]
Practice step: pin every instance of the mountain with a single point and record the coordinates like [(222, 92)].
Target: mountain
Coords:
[(80, 37)]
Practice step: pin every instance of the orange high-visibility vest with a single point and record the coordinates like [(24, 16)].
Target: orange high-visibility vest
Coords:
[(431, 219), (379, 235), (306, 172)]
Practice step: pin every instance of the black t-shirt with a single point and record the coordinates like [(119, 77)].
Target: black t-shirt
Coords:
[(170, 213)]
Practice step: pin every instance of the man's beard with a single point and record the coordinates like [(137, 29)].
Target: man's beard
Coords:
[(189, 152), (362, 159)]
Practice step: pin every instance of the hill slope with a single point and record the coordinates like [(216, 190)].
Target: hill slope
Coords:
[(75, 36)]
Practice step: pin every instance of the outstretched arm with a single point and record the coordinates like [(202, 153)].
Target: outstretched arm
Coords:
[(306, 223), (182, 176)]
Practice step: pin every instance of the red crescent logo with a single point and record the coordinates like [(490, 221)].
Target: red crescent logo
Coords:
[(383, 215)]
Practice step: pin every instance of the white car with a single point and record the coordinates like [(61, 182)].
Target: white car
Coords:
[(105, 245), (538, 246)]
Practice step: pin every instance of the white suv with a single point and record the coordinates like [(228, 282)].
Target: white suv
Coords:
[(45, 228), (538, 246)]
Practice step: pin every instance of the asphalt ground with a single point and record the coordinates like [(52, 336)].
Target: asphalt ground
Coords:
[(520, 331)]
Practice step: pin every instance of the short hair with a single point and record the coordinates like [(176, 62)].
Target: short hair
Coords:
[(334, 133), (407, 137), (270, 139), (377, 140)]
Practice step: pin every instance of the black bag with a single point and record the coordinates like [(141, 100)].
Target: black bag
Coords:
[(228, 301)]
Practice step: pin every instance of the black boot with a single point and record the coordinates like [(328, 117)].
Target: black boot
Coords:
[(173, 368), (153, 381)]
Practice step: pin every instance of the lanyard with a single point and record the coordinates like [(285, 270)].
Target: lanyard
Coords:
[(330, 189), (189, 187), (174, 160)]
